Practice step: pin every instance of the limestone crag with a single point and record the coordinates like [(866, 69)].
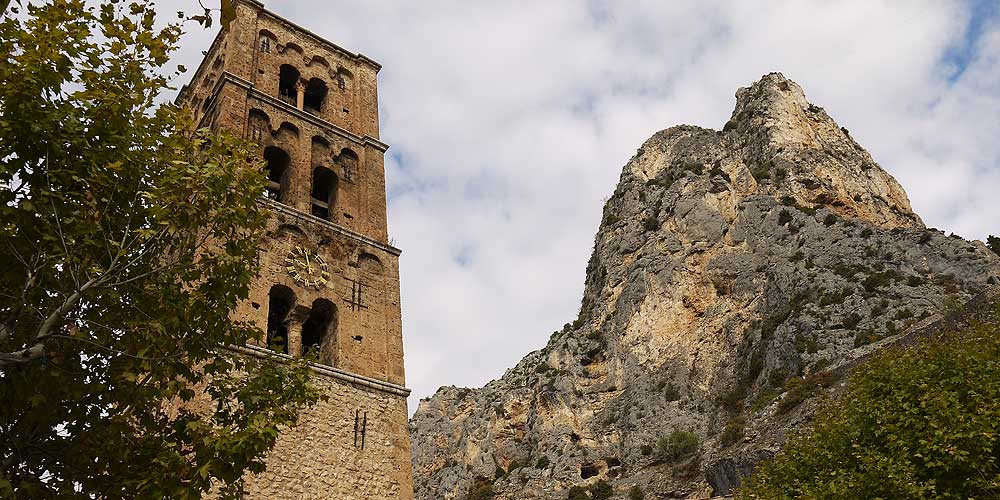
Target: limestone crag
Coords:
[(733, 273)]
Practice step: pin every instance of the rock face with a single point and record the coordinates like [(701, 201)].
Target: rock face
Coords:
[(734, 276)]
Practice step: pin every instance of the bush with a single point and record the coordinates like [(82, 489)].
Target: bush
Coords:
[(878, 280), (733, 431), (646, 450), (760, 173), (651, 224), (601, 490), (481, 489), (577, 493), (784, 217), (851, 321), (636, 493), (732, 400), (678, 445), (994, 243), (798, 390), (671, 393), (916, 422), (865, 337)]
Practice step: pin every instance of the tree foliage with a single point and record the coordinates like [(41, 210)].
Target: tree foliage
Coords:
[(126, 243), (577, 493), (922, 422), (676, 445)]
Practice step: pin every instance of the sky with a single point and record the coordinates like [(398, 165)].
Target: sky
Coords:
[(509, 124)]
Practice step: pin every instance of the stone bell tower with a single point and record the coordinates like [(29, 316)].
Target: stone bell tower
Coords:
[(328, 286)]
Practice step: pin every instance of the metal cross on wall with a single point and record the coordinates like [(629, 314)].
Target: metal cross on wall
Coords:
[(360, 428), (357, 300)]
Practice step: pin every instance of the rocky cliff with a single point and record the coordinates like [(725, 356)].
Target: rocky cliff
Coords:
[(735, 274)]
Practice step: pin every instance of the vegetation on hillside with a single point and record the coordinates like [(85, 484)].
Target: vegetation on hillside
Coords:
[(127, 241), (917, 422)]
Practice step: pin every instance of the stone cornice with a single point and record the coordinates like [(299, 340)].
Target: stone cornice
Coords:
[(329, 371), (341, 230)]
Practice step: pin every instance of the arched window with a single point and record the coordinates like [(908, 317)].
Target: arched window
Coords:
[(267, 39), (320, 150), (315, 93), (322, 321), (348, 161), (324, 192), (259, 123), (288, 80), (370, 264), (280, 301), (344, 78), (277, 169)]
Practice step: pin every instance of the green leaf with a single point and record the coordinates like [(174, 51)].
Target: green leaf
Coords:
[(228, 13)]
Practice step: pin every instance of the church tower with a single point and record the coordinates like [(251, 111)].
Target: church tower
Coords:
[(328, 286)]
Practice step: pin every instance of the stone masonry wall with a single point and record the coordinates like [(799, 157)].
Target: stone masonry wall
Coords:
[(367, 337), (319, 458), (355, 445), (236, 88), (339, 261)]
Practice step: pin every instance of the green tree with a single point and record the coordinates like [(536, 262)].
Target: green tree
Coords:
[(922, 422), (994, 243), (126, 243)]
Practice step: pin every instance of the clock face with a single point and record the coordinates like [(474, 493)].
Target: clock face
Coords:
[(307, 268)]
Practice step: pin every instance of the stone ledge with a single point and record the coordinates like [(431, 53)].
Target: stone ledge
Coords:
[(329, 371), (341, 230)]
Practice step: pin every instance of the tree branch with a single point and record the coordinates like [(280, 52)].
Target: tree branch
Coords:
[(22, 356), (45, 330)]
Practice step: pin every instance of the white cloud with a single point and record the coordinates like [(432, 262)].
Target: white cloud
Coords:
[(513, 121)]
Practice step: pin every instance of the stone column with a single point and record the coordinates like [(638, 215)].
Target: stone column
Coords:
[(300, 94), (295, 320)]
